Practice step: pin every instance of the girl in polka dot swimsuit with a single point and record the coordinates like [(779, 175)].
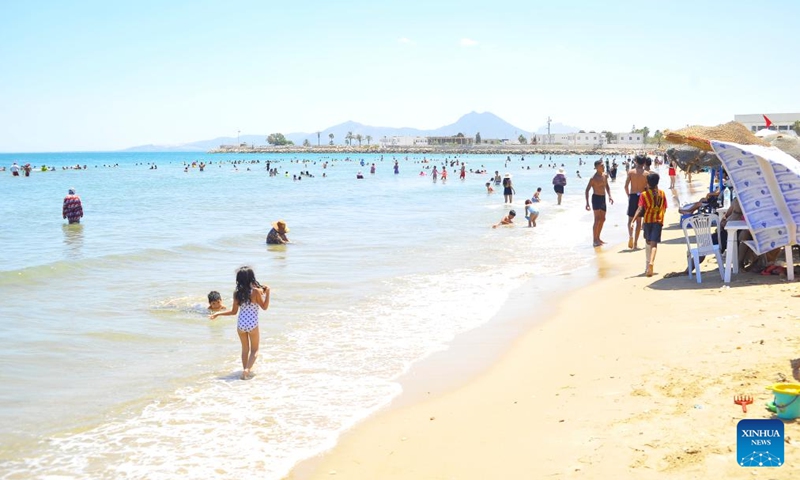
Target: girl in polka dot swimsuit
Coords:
[(249, 295)]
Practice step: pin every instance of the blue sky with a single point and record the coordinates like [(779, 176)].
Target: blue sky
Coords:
[(99, 75)]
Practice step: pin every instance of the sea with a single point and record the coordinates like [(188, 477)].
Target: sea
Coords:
[(110, 367)]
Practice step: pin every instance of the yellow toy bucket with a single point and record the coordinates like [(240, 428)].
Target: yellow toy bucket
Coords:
[(787, 404)]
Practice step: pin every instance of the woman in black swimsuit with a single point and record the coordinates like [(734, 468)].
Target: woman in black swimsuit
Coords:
[(508, 189)]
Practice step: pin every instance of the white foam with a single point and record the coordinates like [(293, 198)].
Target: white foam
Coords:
[(313, 381)]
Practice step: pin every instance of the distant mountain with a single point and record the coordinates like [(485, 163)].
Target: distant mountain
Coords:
[(202, 145), (488, 124)]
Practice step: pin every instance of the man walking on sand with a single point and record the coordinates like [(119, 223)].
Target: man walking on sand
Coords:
[(652, 205), (635, 184), (599, 184)]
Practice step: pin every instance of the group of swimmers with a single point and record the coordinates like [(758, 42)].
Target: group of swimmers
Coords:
[(18, 170)]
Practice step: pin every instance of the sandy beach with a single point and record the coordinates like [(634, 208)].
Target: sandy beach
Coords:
[(629, 377)]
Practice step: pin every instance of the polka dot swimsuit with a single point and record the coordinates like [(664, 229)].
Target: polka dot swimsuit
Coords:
[(248, 317)]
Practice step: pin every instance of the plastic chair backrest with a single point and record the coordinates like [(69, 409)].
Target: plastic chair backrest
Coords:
[(702, 225)]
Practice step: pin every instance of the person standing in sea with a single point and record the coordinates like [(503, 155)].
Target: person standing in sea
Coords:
[(277, 235), (72, 209), (508, 189), (559, 182), (599, 186), (248, 296), (635, 184)]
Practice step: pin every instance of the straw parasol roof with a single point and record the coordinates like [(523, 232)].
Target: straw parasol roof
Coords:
[(788, 143), (698, 136)]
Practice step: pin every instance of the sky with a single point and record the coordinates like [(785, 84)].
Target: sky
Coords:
[(99, 75)]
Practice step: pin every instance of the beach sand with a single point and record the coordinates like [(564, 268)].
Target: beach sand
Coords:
[(630, 377)]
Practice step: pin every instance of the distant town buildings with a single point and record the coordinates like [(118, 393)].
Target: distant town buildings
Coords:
[(780, 121), (566, 139), (403, 141), (409, 141), (454, 140), (591, 138)]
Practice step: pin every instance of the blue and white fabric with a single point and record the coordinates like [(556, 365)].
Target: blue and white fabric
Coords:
[(767, 182)]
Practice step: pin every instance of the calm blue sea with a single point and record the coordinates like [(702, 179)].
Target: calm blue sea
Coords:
[(110, 368)]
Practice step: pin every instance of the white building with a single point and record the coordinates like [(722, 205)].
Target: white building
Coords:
[(780, 121), (403, 141), (591, 138), (569, 139), (627, 138)]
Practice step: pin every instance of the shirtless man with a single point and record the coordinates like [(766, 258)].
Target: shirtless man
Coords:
[(599, 184), (635, 184)]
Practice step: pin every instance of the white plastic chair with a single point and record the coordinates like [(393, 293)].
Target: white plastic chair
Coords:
[(701, 224)]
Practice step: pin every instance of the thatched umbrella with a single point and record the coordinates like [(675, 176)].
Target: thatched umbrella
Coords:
[(691, 158), (698, 136), (789, 143), (695, 150)]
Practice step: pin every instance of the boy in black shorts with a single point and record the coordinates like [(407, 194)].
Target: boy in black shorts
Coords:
[(652, 205)]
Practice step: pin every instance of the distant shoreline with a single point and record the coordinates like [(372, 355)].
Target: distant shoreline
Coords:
[(455, 149)]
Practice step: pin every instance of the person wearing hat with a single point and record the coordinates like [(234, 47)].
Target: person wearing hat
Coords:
[(559, 182), (277, 236), (72, 209), (508, 189)]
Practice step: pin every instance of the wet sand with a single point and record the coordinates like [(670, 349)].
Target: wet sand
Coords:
[(629, 377)]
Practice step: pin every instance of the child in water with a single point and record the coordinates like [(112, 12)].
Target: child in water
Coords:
[(248, 296), (507, 220), (489, 188), (531, 213), (215, 302)]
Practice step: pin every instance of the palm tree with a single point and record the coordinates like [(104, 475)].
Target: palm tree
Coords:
[(330, 135), (796, 127), (318, 139), (359, 138), (609, 137), (645, 133), (658, 136), (369, 139), (349, 138)]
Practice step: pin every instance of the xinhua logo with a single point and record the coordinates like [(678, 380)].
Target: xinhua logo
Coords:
[(759, 443)]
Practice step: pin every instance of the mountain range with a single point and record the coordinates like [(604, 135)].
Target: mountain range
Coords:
[(488, 124)]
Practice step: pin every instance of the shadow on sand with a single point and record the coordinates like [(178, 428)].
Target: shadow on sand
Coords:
[(712, 280)]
